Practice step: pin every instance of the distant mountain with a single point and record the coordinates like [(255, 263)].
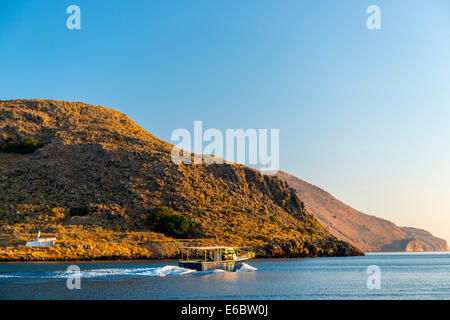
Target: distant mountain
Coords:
[(93, 177), (369, 233)]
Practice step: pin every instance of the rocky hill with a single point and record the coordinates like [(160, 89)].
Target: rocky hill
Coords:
[(367, 232), (95, 178)]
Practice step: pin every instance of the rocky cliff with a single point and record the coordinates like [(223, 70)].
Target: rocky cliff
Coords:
[(98, 175), (367, 232)]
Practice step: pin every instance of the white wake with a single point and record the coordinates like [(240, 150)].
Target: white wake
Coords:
[(246, 268), (168, 270)]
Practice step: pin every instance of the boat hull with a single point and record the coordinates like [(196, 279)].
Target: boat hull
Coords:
[(216, 265)]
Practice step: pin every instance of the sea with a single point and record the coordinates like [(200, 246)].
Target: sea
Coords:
[(376, 276)]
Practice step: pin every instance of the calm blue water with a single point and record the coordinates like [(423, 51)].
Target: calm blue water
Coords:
[(403, 276)]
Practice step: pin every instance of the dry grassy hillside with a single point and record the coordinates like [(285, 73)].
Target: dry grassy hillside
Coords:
[(367, 232), (98, 176)]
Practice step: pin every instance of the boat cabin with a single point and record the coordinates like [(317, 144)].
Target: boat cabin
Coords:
[(213, 257), (209, 254)]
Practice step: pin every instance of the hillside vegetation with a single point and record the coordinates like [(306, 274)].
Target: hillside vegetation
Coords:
[(98, 179)]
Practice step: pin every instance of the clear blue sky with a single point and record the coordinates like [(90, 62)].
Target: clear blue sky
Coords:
[(362, 114)]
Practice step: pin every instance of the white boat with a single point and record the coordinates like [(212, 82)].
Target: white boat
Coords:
[(212, 258)]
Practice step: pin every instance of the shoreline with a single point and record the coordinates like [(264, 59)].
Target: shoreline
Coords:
[(148, 260), (106, 260)]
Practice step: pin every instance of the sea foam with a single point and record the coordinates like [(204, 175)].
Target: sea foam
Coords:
[(246, 268)]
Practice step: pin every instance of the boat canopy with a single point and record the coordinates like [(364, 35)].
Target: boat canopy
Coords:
[(209, 248)]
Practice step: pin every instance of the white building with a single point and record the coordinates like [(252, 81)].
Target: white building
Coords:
[(42, 241)]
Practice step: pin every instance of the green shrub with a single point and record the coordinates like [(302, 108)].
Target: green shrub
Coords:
[(166, 220), (273, 219), (118, 138), (309, 230), (116, 228), (263, 238), (302, 230), (27, 145), (80, 211)]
